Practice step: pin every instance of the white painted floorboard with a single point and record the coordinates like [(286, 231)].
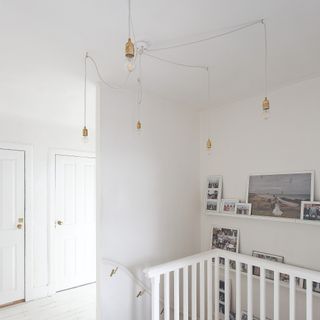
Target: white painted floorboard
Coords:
[(74, 304)]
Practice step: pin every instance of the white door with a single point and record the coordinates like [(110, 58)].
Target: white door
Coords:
[(11, 226), (75, 221)]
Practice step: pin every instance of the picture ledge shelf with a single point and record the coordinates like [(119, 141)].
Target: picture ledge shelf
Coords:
[(284, 220)]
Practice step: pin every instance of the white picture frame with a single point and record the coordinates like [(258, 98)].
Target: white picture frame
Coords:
[(276, 192), (213, 194), (228, 206), (243, 208), (314, 215)]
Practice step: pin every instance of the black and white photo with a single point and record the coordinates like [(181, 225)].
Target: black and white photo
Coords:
[(310, 210), (225, 239), (243, 208)]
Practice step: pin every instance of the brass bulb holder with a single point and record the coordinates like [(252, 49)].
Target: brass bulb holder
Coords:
[(138, 125), (209, 144), (129, 49), (266, 104), (85, 132)]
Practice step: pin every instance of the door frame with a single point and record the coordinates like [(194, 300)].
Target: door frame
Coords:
[(51, 208), (28, 219)]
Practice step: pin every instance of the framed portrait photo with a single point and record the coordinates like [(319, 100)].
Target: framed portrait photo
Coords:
[(310, 210), (281, 194), (228, 205), (243, 208)]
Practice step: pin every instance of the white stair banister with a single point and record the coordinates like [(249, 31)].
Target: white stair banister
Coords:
[(276, 296), (194, 291), (208, 295), (176, 295), (186, 293), (209, 288), (167, 296), (249, 290), (226, 289), (155, 298), (216, 288), (292, 299), (202, 293), (262, 294), (238, 290), (309, 300)]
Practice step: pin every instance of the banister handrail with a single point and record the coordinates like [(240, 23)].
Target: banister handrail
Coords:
[(129, 274), (214, 253)]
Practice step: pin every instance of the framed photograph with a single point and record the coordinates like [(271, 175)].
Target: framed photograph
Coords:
[(213, 194), (213, 205), (266, 256), (280, 195), (225, 238), (310, 210), (228, 205), (243, 208)]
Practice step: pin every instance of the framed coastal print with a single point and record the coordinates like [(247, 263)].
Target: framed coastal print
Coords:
[(280, 194), (213, 194), (310, 210), (228, 205), (243, 208)]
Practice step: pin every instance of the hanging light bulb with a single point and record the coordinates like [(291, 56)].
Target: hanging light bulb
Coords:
[(209, 144), (85, 134), (138, 125), (266, 108)]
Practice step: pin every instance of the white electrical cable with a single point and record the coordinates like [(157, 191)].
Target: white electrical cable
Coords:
[(111, 86), (175, 63), (265, 58), (189, 43), (85, 92)]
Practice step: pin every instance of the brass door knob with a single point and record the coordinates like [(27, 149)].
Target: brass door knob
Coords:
[(59, 222), (19, 226)]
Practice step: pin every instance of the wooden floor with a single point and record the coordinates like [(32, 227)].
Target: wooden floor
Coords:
[(74, 304)]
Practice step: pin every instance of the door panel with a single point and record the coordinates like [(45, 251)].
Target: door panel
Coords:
[(75, 209), (11, 238)]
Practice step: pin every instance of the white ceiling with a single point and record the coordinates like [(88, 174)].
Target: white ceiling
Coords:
[(43, 43)]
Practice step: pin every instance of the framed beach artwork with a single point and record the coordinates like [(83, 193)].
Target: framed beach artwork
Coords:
[(281, 194)]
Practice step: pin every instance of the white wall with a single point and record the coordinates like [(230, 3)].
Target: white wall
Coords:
[(149, 183), (42, 137), (244, 143)]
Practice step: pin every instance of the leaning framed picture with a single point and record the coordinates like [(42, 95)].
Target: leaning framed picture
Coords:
[(225, 238), (228, 205), (310, 210), (213, 194), (243, 208), (280, 194)]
